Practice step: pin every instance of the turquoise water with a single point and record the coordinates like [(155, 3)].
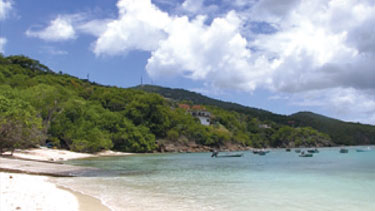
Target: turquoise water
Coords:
[(195, 181)]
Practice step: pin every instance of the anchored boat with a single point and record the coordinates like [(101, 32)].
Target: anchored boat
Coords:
[(313, 150), (343, 150), (303, 154), (216, 155), (363, 150)]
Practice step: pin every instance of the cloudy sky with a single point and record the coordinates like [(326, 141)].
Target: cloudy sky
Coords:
[(280, 55)]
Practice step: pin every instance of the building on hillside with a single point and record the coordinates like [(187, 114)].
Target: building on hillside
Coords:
[(186, 107), (264, 126), (199, 112)]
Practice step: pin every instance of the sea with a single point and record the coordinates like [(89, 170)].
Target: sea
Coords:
[(279, 180)]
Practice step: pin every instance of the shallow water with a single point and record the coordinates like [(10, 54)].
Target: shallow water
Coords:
[(195, 181)]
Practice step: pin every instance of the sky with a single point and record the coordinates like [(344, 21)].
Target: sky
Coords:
[(283, 56)]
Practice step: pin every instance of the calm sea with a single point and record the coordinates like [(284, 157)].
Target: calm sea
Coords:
[(279, 180)]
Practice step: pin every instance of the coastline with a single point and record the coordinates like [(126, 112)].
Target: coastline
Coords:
[(44, 154), (30, 192), (26, 181), (30, 198), (85, 202)]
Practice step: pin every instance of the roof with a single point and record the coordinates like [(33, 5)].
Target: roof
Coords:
[(198, 107), (184, 106)]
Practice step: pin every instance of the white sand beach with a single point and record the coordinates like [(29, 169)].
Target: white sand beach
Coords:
[(20, 191), (47, 154), (29, 192)]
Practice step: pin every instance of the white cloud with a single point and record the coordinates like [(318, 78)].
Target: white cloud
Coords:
[(3, 41), (5, 8), (193, 6), (272, 10), (210, 53), (309, 46), (93, 27), (139, 27), (345, 103), (319, 52), (59, 29)]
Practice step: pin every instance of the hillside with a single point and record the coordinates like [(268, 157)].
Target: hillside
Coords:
[(196, 98), (341, 132), (39, 106)]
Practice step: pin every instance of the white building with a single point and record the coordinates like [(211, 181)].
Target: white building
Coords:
[(203, 116)]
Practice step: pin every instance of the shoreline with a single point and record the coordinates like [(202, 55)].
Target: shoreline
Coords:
[(48, 155), (26, 181), (85, 201), (21, 191)]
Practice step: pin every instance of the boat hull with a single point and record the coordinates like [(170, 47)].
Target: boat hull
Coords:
[(306, 155)]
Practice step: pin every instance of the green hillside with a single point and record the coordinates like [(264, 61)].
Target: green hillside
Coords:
[(39, 106), (196, 98), (345, 133), (341, 132)]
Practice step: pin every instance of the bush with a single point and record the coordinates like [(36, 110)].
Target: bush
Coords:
[(172, 135)]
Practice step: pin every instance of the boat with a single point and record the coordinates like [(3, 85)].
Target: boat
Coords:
[(287, 149), (313, 150), (364, 150), (230, 155), (297, 151), (305, 155), (262, 153), (216, 155), (258, 151), (343, 150)]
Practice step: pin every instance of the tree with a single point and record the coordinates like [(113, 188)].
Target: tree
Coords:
[(19, 125), (131, 138)]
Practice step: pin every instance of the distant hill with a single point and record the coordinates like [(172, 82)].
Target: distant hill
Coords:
[(341, 132), (196, 98)]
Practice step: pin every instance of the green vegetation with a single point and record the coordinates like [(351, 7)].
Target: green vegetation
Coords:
[(345, 133), (39, 106), (19, 125)]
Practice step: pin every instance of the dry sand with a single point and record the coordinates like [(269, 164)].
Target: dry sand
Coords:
[(29, 192), (46, 154)]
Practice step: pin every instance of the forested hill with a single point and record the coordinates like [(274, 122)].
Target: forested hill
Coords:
[(196, 98), (341, 132), (39, 106)]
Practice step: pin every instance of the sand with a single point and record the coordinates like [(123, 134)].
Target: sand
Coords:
[(19, 191), (47, 154), (28, 192)]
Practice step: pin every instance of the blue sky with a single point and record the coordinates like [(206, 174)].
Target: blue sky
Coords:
[(282, 56)]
